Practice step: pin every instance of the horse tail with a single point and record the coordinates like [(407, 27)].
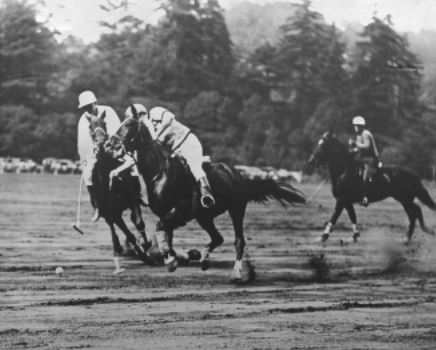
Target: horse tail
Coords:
[(424, 197), (261, 191)]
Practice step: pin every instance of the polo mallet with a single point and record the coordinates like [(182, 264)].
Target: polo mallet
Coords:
[(318, 189), (76, 225)]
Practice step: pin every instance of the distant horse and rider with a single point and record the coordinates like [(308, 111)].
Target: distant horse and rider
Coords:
[(176, 199), (350, 185)]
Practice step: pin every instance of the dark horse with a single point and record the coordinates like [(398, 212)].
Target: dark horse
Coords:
[(347, 185), (173, 196), (114, 196)]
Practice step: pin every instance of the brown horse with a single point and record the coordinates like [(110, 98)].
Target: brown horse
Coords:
[(114, 196), (347, 185), (174, 198)]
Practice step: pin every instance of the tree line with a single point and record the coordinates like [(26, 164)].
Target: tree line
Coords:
[(266, 107)]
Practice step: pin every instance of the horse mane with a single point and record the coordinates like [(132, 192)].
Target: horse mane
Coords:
[(340, 151)]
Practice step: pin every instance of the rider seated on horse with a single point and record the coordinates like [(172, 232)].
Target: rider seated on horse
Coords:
[(178, 138), (85, 145), (182, 142), (365, 152)]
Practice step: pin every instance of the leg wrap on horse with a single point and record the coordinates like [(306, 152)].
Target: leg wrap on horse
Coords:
[(162, 242)]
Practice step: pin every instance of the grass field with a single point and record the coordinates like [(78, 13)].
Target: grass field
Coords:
[(376, 294)]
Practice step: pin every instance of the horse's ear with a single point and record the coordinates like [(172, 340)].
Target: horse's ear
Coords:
[(103, 115), (134, 111)]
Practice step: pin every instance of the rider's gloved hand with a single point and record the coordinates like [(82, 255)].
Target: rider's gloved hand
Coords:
[(114, 173)]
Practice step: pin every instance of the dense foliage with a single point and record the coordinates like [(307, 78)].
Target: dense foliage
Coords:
[(260, 107)]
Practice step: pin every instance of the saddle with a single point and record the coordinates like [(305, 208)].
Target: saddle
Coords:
[(382, 176)]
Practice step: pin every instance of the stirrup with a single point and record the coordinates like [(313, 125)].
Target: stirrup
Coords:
[(207, 201), (364, 202)]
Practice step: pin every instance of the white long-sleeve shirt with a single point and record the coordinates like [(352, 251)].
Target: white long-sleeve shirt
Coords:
[(170, 132), (84, 140)]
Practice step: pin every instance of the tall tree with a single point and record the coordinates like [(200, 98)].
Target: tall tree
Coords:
[(387, 78), (309, 61), (197, 50), (27, 50)]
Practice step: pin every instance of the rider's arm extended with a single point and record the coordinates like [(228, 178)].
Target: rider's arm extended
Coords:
[(129, 161), (167, 119)]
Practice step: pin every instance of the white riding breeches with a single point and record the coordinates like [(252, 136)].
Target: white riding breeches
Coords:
[(89, 164), (192, 151)]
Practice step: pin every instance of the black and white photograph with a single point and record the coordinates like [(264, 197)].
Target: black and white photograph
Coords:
[(217, 174)]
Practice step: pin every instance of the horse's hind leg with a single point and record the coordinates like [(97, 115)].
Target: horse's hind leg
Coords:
[(420, 218), (352, 215), (206, 222), (138, 221), (237, 213), (412, 214)]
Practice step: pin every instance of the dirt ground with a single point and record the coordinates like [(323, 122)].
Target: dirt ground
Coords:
[(376, 294)]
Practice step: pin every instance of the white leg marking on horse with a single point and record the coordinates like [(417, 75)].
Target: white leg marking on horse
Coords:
[(237, 270), (162, 242), (117, 266), (205, 255), (328, 228)]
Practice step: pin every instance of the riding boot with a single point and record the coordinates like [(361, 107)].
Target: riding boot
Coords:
[(207, 200), (93, 198)]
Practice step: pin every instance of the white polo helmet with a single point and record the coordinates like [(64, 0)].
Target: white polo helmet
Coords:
[(86, 98), (135, 110), (156, 114), (359, 120)]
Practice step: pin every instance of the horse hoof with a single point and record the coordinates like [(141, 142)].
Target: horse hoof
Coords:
[(321, 239), (236, 279), (194, 254), (237, 271), (406, 241), (355, 237), (171, 263), (204, 259), (205, 264), (146, 259)]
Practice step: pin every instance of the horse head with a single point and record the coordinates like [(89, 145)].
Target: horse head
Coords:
[(319, 153), (97, 129), (131, 134)]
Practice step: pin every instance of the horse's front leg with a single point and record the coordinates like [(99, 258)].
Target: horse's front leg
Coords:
[(132, 240), (352, 215), (138, 221), (164, 232), (329, 226), (116, 245), (216, 239)]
